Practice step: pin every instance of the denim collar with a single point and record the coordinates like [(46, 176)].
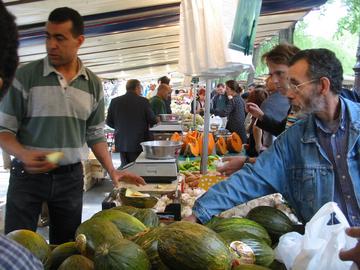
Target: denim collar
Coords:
[(350, 107), (341, 123)]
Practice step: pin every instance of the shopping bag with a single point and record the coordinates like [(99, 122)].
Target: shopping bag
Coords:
[(319, 247)]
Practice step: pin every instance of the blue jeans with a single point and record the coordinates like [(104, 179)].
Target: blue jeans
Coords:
[(61, 188)]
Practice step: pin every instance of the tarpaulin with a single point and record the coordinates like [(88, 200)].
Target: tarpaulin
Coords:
[(244, 30), (271, 6), (205, 31)]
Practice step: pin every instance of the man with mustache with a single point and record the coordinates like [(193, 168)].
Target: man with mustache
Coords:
[(315, 161)]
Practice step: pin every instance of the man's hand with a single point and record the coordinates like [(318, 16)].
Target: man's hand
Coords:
[(35, 161), (191, 218), (117, 176), (232, 165), (254, 110), (354, 253)]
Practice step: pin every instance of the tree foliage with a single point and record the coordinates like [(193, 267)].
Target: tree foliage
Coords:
[(351, 22), (344, 45)]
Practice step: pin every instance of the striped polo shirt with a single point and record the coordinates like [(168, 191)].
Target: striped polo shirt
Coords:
[(47, 113)]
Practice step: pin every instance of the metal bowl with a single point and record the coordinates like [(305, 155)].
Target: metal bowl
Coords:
[(161, 149), (169, 117)]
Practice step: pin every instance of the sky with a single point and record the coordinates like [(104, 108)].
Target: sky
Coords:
[(323, 21)]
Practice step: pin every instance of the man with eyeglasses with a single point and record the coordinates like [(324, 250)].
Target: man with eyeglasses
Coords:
[(273, 114), (315, 161)]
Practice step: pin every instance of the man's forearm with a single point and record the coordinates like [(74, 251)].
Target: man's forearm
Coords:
[(11, 145), (101, 152)]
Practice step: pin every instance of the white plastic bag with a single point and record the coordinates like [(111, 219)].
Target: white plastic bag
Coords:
[(216, 120), (318, 248)]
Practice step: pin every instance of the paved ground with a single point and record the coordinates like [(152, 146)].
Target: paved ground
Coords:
[(92, 198)]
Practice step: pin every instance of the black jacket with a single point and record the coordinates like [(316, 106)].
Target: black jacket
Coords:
[(235, 112), (131, 116)]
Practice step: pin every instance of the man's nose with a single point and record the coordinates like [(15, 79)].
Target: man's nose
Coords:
[(51, 43)]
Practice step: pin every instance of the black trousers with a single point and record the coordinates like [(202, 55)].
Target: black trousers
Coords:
[(61, 188), (128, 157)]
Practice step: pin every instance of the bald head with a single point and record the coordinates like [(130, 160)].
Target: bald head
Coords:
[(163, 91)]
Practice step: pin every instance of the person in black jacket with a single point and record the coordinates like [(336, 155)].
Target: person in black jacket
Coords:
[(131, 116), (234, 110)]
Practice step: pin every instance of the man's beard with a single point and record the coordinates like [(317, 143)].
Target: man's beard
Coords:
[(315, 103)]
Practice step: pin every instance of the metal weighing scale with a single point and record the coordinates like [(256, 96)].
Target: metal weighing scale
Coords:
[(161, 178), (154, 170)]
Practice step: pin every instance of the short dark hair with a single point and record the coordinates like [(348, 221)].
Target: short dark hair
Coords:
[(164, 79), (257, 96), (64, 14), (280, 54), (132, 84), (232, 84), (8, 48), (220, 85), (322, 63)]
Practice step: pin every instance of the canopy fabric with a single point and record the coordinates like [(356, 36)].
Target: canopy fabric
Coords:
[(245, 24), (272, 6), (127, 39), (205, 31)]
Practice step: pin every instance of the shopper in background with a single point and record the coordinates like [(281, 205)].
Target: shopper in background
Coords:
[(220, 100), (255, 139), (277, 60), (166, 80), (131, 116), (13, 256), (158, 102), (199, 103), (54, 104), (234, 110)]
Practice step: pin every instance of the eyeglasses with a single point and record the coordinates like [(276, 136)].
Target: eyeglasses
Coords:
[(296, 87)]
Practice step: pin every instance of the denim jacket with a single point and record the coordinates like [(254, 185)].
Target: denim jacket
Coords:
[(295, 166)]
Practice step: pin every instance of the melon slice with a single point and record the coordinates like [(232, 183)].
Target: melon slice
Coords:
[(134, 193), (54, 157)]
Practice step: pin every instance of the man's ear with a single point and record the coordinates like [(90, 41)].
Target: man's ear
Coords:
[(324, 84), (81, 40)]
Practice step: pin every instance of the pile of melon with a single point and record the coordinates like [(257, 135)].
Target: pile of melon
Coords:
[(193, 143), (118, 238)]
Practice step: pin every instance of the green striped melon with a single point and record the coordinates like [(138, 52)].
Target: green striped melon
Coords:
[(127, 224), (240, 225), (184, 245)]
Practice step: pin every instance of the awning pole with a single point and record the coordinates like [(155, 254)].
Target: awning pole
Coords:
[(204, 155), (194, 106)]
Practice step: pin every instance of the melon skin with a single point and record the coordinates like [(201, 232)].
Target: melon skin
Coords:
[(60, 254), (34, 242), (122, 254), (77, 262), (93, 233), (186, 245)]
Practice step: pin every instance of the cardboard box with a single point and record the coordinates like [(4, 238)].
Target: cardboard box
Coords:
[(93, 173)]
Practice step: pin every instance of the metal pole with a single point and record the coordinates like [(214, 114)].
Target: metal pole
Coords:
[(357, 70), (205, 142), (194, 106)]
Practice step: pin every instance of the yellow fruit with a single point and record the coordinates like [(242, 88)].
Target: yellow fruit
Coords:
[(54, 157)]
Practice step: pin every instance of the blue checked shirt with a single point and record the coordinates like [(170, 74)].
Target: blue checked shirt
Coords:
[(15, 257)]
